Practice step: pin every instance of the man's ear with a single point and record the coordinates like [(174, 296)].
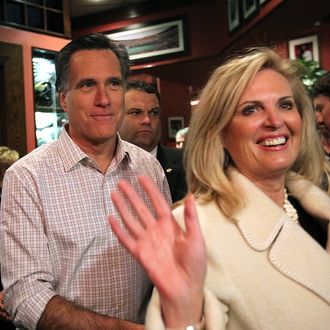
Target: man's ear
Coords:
[(62, 98)]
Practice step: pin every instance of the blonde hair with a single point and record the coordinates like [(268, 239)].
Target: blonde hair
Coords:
[(7, 158), (204, 158)]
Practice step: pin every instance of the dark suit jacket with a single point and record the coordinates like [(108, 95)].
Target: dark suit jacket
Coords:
[(171, 161)]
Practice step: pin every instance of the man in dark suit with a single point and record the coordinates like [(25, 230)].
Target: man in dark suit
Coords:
[(141, 126)]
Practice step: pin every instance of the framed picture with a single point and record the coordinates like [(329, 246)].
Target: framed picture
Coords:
[(174, 124), (306, 48), (153, 40), (49, 117), (249, 8), (233, 16)]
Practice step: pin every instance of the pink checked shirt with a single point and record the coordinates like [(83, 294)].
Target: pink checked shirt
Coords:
[(55, 237)]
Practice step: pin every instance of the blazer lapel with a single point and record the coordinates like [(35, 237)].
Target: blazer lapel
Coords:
[(296, 255), (264, 225), (260, 220)]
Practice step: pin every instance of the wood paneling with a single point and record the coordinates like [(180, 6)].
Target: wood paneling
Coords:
[(12, 105)]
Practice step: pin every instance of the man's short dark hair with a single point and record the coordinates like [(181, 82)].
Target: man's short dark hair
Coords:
[(143, 86), (322, 86), (90, 41)]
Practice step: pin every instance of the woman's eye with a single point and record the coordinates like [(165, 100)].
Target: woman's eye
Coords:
[(287, 105), (249, 110)]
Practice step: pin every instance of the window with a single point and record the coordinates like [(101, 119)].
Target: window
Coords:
[(45, 16)]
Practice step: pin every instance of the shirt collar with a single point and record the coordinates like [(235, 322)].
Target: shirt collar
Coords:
[(71, 153), (122, 151)]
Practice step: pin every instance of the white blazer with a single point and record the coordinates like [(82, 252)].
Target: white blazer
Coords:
[(264, 271)]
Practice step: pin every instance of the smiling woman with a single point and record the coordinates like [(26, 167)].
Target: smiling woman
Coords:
[(263, 137), (253, 164)]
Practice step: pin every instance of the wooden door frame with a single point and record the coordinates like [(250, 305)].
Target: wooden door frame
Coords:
[(12, 104)]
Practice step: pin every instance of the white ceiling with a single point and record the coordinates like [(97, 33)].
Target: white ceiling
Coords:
[(86, 7)]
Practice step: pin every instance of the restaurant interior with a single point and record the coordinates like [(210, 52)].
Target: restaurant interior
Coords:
[(174, 43)]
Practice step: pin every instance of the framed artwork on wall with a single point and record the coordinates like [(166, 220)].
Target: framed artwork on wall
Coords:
[(174, 124), (306, 48), (233, 15), (49, 116), (153, 40), (249, 8)]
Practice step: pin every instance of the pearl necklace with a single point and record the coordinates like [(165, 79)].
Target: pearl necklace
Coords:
[(289, 209)]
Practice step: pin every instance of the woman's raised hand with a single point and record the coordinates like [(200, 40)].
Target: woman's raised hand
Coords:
[(174, 259)]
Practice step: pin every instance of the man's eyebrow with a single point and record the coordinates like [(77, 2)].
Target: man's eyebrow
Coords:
[(115, 78), (134, 109)]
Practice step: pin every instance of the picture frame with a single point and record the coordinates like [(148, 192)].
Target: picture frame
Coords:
[(233, 15), (306, 48), (48, 115), (249, 8), (174, 124), (153, 40)]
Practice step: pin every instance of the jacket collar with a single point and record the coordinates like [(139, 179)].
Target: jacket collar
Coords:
[(259, 233), (282, 237), (258, 207), (296, 255)]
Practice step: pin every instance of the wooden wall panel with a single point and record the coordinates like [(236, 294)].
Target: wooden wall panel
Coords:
[(12, 111)]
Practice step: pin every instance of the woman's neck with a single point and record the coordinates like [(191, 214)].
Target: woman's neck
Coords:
[(273, 187), (273, 190)]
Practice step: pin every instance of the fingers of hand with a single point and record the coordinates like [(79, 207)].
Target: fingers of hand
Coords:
[(127, 241), (159, 203), (161, 207), (147, 225), (138, 205), (4, 315), (133, 226), (191, 218)]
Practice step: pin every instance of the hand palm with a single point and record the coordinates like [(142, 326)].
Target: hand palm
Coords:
[(174, 259), (170, 258)]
